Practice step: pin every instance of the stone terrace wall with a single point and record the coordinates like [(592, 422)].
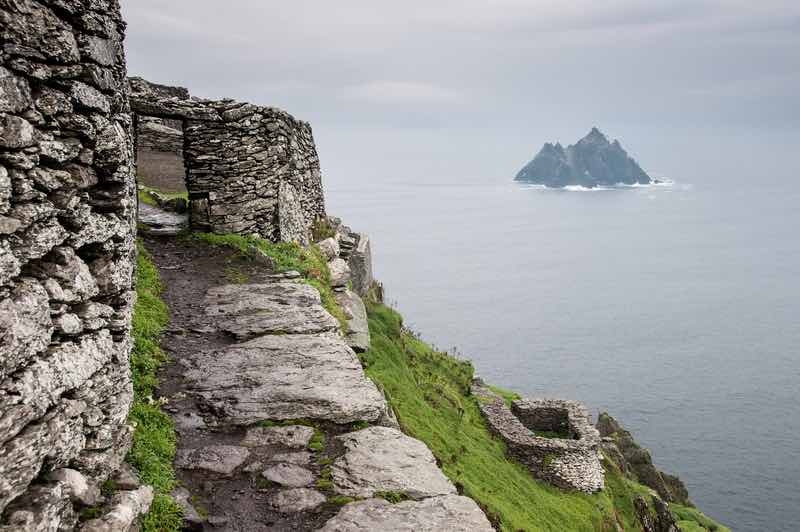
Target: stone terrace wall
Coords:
[(250, 169), (67, 225)]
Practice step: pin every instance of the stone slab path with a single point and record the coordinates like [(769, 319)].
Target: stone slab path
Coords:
[(270, 405)]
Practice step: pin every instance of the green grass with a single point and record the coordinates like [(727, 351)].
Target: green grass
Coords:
[(429, 391), (322, 229), (392, 496), (692, 520), (507, 395), (154, 438), (145, 197), (286, 256)]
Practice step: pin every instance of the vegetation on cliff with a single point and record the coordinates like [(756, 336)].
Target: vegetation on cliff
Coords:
[(285, 256), (429, 392), (154, 438)]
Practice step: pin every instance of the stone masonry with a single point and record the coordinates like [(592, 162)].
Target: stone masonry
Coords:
[(570, 461), (249, 169), (67, 225)]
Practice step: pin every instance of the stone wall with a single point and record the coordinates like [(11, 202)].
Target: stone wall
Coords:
[(249, 169), (571, 463), (67, 225)]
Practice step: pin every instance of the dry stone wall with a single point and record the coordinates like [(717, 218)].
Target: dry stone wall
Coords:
[(569, 460), (67, 225), (249, 169)]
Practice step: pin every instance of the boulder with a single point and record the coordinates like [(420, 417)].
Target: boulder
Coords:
[(384, 459), (329, 248), (450, 512)]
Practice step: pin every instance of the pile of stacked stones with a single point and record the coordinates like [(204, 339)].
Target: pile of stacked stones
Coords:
[(566, 450), (67, 225), (249, 169)]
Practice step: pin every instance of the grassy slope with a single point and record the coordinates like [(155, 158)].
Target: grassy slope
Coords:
[(429, 392), (154, 439)]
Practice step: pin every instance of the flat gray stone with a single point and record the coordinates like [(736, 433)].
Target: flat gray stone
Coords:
[(249, 310), (293, 436), (296, 500), (299, 458), (452, 513), (160, 222), (312, 376), (222, 459), (288, 475), (384, 459), (358, 327)]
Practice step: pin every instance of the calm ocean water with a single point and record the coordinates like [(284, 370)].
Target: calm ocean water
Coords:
[(676, 309)]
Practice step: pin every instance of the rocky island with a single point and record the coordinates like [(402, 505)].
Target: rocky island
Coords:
[(591, 162)]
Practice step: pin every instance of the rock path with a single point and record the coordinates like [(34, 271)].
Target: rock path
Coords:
[(271, 404)]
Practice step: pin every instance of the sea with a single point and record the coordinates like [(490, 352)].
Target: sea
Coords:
[(676, 308)]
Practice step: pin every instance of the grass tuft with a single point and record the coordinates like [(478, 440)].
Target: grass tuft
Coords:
[(154, 440)]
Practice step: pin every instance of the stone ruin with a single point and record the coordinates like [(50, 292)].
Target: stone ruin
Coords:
[(67, 257), (566, 453), (248, 169)]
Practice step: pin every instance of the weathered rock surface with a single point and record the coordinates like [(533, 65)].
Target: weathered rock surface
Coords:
[(329, 248), (384, 459), (357, 336), (157, 221), (292, 436), (636, 463), (296, 500), (340, 272), (290, 376), (221, 459), (248, 310), (452, 513), (126, 508), (289, 475)]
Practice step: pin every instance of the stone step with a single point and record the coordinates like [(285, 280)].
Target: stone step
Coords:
[(285, 307), (285, 376), (452, 513), (382, 459)]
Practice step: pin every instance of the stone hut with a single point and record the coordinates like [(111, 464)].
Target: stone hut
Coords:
[(248, 169), (67, 226), (553, 437)]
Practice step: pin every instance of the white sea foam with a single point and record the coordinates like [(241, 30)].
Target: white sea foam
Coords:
[(664, 182)]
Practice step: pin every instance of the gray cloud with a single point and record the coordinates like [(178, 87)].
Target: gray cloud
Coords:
[(503, 69)]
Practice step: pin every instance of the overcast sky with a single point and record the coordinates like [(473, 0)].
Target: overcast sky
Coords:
[(524, 67)]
